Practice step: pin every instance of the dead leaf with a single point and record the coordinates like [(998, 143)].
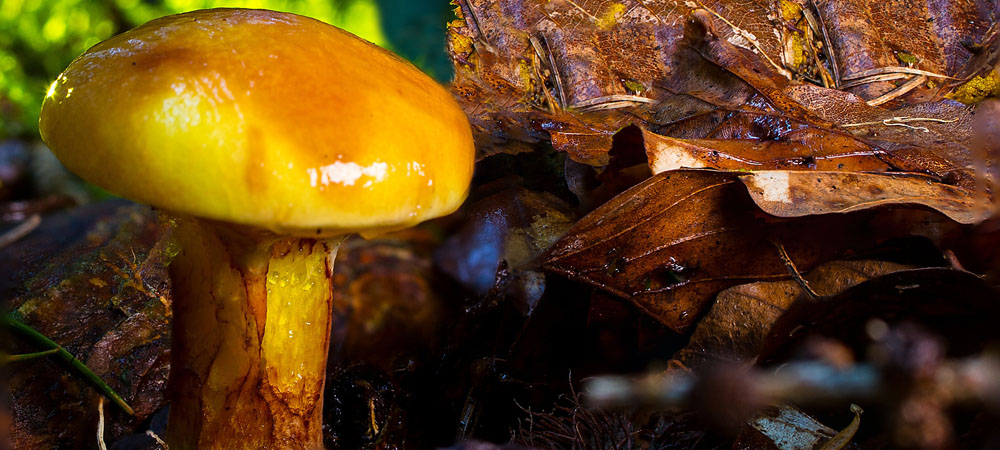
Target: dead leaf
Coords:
[(568, 72), (795, 194), (932, 137), (569, 69), (808, 149), (671, 243), (93, 279), (954, 304), (784, 427), (933, 36), (742, 316)]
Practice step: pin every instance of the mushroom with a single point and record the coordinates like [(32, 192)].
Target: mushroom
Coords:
[(264, 138)]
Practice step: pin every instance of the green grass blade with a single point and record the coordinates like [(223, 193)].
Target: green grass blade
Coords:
[(27, 356), (61, 353)]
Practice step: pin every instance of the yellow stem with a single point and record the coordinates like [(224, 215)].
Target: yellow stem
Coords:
[(251, 332)]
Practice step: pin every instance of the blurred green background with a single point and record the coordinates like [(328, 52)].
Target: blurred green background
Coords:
[(39, 38)]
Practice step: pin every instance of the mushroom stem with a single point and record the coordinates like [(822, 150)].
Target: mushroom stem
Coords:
[(251, 330)]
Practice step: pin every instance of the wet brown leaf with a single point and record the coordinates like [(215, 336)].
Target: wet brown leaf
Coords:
[(742, 316), (794, 194), (670, 244), (938, 36), (568, 71), (954, 304), (578, 72), (932, 137), (808, 149), (94, 280)]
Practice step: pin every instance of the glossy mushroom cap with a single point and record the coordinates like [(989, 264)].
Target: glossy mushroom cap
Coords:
[(261, 118)]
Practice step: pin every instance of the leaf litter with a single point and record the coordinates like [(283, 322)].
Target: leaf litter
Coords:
[(822, 135)]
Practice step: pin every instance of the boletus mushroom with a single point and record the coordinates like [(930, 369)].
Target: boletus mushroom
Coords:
[(264, 138)]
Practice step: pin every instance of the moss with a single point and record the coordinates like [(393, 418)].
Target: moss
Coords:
[(634, 87), (977, 89), (609, 17), (790, 10), (526, 73), (906, 58), (795, 52)]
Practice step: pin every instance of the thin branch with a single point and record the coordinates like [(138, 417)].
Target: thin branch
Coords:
[(100, 424), (611, 102), (555, 72), (156, 438), (903, 121), (20, 230), (898, 92), (796, 275), (874, 79), (896, 69), (831, 56)]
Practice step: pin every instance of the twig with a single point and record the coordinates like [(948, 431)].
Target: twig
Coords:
[(796, 275), (156, 438), (843, 438), (100, 424), (896, 69), (827, 44), (555, 72), (874, 79), (611, 102), (823, 74), (21, 230), (536, 61), (902, 121), (480, 36), (898, 92)]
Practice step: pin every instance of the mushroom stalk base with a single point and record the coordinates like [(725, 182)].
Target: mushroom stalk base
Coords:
[(251, 332)]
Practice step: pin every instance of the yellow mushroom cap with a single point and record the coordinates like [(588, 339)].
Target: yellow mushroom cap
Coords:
[(261, 118)]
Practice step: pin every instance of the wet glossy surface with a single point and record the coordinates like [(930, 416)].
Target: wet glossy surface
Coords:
[(261, 118)]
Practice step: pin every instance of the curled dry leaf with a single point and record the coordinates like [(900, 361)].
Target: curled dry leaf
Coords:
[(794, 194), (808, 149), (671, 243), (742, 316)]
